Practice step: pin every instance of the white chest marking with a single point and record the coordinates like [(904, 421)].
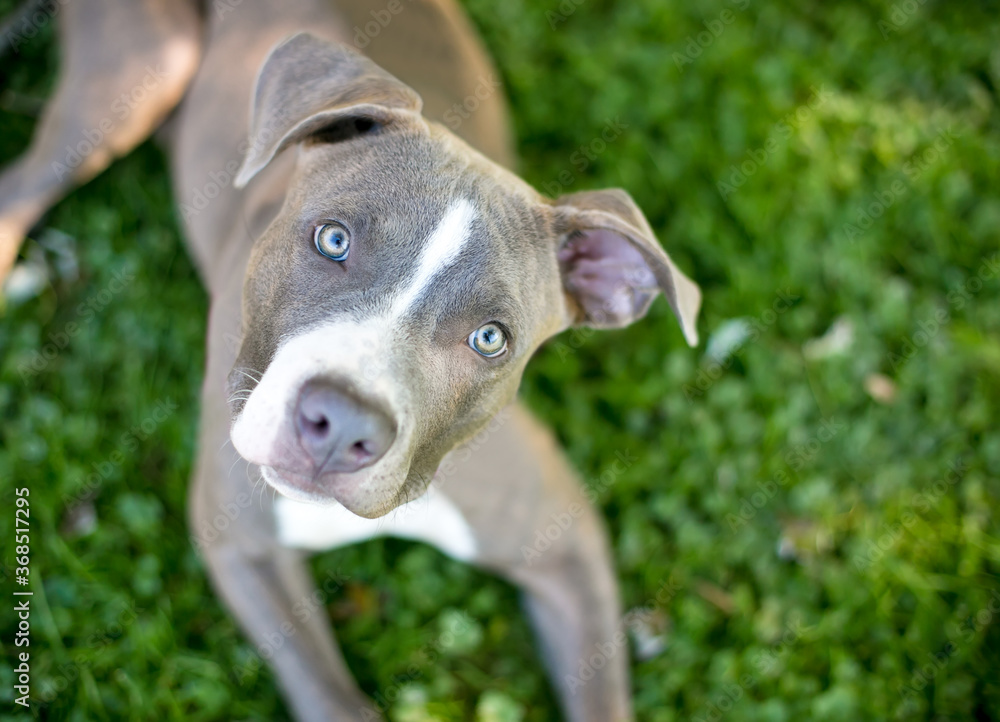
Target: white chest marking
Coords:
[(441, 250), (432, 518)]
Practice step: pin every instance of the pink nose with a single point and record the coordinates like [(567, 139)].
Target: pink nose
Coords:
[(339, 432)]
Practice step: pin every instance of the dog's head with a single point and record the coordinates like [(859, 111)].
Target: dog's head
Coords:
[(394, 301)]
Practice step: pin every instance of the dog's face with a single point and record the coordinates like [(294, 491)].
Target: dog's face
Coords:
[(402, 288), (391, 307)]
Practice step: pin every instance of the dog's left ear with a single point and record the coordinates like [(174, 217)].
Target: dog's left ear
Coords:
[(612, 266), (309, 87)]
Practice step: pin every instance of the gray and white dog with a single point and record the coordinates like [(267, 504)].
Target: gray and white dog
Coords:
[(388, 280)]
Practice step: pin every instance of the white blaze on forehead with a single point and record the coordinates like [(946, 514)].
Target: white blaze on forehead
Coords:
[(441, 250)]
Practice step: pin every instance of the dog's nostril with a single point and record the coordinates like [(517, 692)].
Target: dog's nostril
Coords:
[(318, 426)]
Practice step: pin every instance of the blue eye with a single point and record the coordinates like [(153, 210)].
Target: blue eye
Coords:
[(332, 240), (489, 340)]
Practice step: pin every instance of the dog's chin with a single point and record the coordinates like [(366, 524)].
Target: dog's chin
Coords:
[(356, 492)]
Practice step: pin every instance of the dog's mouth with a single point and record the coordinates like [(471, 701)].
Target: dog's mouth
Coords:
[(366, 494), (317, 490)]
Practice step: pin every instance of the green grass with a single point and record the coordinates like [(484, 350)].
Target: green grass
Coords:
[(818, 561)]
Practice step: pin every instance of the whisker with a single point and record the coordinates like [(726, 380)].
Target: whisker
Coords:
[(255, 483), (238, 459), (263, 488), (249, 376)]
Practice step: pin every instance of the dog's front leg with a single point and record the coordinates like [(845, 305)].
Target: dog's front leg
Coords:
[(572, 599), (535, 526), (267, 587), (270, 596)]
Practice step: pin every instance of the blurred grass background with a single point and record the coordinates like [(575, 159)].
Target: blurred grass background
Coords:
[(811, 526)]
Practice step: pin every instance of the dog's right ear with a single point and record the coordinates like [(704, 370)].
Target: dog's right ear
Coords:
[(311, 87)]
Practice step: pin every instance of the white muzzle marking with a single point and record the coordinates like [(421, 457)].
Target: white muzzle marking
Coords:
[(358, 352)]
